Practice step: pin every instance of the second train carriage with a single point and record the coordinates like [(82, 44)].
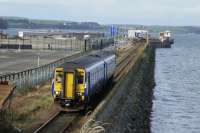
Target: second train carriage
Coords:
[(77, 81)]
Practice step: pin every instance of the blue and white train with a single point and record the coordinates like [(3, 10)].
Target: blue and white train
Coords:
[(76, 82)]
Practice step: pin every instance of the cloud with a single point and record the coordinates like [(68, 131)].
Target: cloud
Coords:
[(174, 12)]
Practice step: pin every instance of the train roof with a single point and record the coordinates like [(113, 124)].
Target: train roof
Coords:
[(87, 61)]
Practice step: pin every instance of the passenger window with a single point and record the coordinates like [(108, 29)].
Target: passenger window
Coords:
[(94, 77)]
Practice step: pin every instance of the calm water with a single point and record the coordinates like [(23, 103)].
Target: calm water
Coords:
[(14, 31), (176, 106)]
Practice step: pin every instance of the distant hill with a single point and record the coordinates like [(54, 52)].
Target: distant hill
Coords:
[(18, 22), (21, 22), (3, 24)]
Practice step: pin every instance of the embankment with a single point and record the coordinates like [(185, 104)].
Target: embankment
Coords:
[(129, 107)]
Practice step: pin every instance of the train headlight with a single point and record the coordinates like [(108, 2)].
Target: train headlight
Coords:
[(82, 98), (57, 93)]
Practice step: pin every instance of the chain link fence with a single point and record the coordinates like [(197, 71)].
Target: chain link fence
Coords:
[(33, 77)]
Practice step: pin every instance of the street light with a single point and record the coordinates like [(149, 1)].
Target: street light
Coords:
[(38, 60)]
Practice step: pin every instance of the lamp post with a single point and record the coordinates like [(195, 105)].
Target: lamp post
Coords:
[(1, 37), (147, 38), (19, 47), (38, 60)]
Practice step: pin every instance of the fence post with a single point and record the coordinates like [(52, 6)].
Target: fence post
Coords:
[(20, 81), (85, 45), (101, 44), (37, 77), (76, 44), (24, 80), (71, 44)]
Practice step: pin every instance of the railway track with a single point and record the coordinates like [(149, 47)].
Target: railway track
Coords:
[(125, 62), (62, 120), (59, 123)]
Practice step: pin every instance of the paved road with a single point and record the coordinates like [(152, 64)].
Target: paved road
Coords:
[(14, 61)]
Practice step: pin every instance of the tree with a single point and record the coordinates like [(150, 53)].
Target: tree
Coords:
[(3, 24)]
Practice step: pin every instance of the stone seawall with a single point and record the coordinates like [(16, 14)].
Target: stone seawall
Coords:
[(129, 109)]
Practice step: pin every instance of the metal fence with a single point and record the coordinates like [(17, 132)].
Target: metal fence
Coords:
[(41, 43), (32, 77)]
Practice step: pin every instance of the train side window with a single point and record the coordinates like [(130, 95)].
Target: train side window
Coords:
[(95, 73), (92, 77), (98, 73), (95, 76)]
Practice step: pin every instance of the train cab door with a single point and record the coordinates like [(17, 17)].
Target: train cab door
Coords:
[(69, 90), (57, 85)]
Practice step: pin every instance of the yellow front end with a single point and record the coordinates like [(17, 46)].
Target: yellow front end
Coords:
[(58, 81), (69, 86), (74, 87)]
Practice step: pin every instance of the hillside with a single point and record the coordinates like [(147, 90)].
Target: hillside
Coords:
[(18, 22)]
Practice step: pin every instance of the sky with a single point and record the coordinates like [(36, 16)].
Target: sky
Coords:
[(145, 12)]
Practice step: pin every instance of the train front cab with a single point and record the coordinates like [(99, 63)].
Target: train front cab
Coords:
[(74, 88), (80, 83), (58, 74)]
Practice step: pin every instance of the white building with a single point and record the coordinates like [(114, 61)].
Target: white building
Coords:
[(21, 34), (165, 35), (137, 34)]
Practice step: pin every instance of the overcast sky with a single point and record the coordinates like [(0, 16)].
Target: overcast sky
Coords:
[(150, 12)]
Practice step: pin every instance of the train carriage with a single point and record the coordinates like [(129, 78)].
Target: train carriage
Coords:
[(83, 78)]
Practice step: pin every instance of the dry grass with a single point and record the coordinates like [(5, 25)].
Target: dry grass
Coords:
[(32, 107), (92, 126)]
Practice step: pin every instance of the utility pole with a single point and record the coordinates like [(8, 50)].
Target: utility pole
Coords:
[(38, 61), (147, 38), (19, 49), (1, 37)]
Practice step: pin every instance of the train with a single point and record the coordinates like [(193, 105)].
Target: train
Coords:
[(76, 83)]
